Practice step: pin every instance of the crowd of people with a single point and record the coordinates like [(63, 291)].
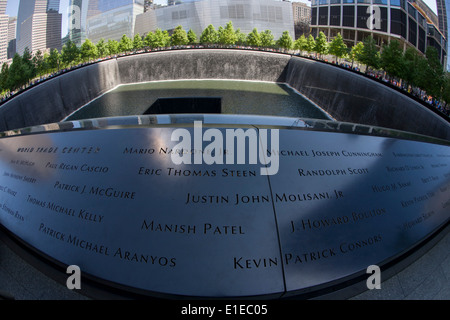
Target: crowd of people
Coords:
[(441, 106)]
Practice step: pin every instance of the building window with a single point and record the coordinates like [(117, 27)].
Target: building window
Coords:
[(314, 16), (362, 17), (380, 2), (323, 15), (398, 22), (412, 33), (395, 3), (412, 11), (348, 16), (422, 40), (335, 16)]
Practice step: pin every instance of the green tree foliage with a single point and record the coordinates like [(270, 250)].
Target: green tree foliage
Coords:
[(179, 36), (192, 37), (285, 41), (310, 44), (240, 37), (160, 39), (138, 43), (267, 38), (113, 46), (30, 69), (391, 59), (19, 72), (70, 54), (356, 52), (102, 48), (88, 50), (54, 60), (4, 86), (337, 47), (125, 44), (39, 63), (321, 47), (227, 35), (209, 35), (148, 39), (446, 88), (432, 73), (370, 56), (253, 38), (301, 43)]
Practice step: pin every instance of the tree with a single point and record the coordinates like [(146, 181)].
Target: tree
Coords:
[(267, 38), (240, 37), (19, 73), (88, 50), (285, 41), (113, 46), (70, 54), (301, 43), (337, 47), (310, 44), (160, 39), (446, 88), (29, 69), (38, 62), (370, 55), (356, 52), (54, 59), (227, 35), (253, 38), (432, 75), (192, 37), (125, 44), (138, 44), (148, 39), (321, 46), (209, 35), (391, 59), (179, 36), (102, 48), (410, 65), (4, 78)]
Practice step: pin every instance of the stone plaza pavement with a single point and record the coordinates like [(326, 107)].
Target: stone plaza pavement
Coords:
[(428, 278)]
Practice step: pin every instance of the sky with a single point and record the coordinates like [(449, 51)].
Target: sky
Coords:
[(13, 5)]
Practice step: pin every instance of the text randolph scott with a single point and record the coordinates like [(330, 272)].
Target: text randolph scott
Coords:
[(214, 152)]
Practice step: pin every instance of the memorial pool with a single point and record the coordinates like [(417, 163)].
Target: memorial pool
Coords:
[(237, 97)]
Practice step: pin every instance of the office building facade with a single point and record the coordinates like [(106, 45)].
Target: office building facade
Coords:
[(246, 15), (12, 26), (443, 8), (385, 20), (77, 20), (4, 24), (110, 20), (38, 26), (302, 18)]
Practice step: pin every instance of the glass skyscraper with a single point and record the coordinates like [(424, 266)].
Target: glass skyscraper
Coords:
[(38, 26), (443, 7), (110, 20), (246, 15), (411, 22)]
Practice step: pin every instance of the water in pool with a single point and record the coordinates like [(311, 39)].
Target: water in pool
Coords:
[(237, 97)]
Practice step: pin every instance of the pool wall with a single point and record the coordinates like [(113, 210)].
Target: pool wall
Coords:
[(345, 95)]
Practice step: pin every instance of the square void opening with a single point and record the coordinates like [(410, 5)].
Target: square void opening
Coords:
[(186, 105)]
